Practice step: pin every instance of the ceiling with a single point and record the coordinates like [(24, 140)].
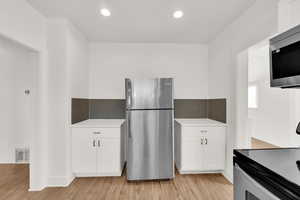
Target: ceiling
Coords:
[(146, 20)]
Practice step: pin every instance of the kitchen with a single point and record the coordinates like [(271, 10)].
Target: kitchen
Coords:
[(78, 79)]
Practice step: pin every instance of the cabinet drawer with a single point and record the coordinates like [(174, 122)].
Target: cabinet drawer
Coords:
[(199, 131), (194, 131), (100, 132)]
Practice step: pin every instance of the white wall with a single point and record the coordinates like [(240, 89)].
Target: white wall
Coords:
[(270, 122), (25, 79), (78, 70), (289, 17), (77, 61), (68, 75), (58, 102), (241, 86), (21, 23), (288, 14), (7, 105), (254, 25), (110, 64), (17, 71)]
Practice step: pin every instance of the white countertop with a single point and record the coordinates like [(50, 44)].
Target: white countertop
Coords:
[(99, 123), (116, 123), (199, 122)]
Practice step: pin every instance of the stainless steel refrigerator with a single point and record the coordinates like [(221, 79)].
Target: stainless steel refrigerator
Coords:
[(150, 128)]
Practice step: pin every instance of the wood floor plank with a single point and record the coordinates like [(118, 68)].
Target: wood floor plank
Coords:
[(259, 144), (14, 185)]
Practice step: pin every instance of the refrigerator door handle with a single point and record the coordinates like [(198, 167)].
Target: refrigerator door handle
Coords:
[(129, 93), (128, 125), (129, 99)]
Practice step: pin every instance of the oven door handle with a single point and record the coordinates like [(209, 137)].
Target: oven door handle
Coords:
[(246, 185)]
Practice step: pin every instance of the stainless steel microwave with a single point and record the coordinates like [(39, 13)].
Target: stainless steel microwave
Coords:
[(285, 59)]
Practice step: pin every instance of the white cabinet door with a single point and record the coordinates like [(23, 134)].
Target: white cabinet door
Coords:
[(84, 151), (108, 158), (192, 154), (214, 149)]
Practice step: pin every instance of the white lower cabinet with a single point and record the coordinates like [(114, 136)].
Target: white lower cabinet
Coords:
[(199, 148), (214, 148), (192, 158), (84, 152), (97, 152), (108, 157)]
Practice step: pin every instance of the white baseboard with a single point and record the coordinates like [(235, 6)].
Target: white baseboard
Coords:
[(199, 172), (60, 181), (228, 177), (21, 163), (36, 189), (14, 163)]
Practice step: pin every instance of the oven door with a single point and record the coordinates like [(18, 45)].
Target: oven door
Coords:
[(246, 188)]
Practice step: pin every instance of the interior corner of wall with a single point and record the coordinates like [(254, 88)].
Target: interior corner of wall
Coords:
[(60, 181), (36, 189), (228, 176)]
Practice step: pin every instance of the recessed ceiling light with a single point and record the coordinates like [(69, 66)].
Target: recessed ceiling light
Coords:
[(178, 14), (105, 12)]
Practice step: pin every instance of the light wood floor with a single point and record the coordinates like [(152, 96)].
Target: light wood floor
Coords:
[(14, 185), (259, 144)]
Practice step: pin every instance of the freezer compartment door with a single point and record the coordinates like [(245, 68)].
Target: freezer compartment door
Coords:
[(149, 93), (150, 145)]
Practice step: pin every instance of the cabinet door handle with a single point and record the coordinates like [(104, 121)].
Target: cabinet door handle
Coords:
[(94, 143), (201, 141), (99, 144), (206, 141), (203, 131), (97, 132)]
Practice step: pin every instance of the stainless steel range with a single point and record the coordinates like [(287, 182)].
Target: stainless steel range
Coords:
[(267, 174)]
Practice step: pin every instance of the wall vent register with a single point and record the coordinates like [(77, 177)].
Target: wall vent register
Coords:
[(22, 155)]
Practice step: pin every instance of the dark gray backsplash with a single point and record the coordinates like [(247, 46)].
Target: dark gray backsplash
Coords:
[(107, 109), (190, 108), (80, 110), (217, 109), (83, 109)]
